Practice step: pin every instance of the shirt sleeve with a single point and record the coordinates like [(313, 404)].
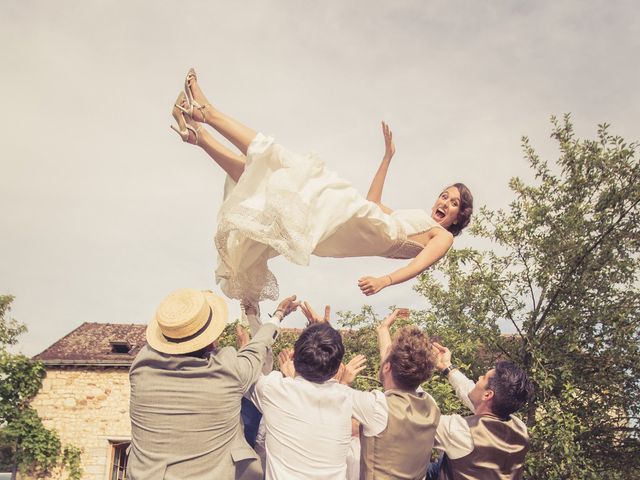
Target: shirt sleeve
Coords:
[(462, 386), (250, 358), (257, 393), (371, 410), (453, 436), (253, 319)]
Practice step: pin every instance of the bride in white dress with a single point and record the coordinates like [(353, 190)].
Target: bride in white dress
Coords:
[(277, 202)]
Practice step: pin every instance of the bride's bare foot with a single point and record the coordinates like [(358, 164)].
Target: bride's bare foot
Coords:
[(196, 97)]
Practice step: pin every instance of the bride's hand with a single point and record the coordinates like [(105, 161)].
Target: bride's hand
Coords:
[(389, 146), (372, 285)]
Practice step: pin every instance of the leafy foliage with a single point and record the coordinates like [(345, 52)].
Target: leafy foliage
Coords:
[(24, 440), (10, 329), (563, 278)]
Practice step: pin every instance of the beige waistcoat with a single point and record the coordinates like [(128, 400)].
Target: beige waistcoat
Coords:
[(403, 449), (498, 454)]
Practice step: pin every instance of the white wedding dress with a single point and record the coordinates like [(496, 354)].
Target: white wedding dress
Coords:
[(291, 205)]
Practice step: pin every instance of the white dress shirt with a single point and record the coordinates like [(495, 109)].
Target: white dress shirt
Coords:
[(308, 425), (453, 435)]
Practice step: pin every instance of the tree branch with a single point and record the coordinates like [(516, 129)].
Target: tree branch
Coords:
[(526, 272), (506, 307), (579, 261), (510, 316), (501, 348)]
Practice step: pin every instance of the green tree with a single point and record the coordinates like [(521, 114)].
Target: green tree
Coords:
[(563, 278), (25, 443)]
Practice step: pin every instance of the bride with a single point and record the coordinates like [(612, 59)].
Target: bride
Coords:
[(281, 203)]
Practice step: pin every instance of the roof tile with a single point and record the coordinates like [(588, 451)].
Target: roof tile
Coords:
[(90, 344)]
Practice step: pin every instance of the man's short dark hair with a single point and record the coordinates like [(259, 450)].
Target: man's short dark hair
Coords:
[(511, 389), (318, 352)]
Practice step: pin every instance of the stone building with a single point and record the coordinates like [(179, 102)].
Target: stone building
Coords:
[(85, 395)]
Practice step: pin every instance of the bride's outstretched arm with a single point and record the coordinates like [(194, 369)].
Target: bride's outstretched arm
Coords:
[(433, 251), (375, 190)]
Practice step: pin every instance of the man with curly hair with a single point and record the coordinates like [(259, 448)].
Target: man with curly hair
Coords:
[(402, 448), (491, 443)]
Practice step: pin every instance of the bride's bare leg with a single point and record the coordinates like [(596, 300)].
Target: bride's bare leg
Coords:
[(237, 133), (231, 162)]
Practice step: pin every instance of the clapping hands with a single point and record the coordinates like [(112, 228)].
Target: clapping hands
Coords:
[(352, 369)]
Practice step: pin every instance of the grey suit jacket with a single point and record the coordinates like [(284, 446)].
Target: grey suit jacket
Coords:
[(185, 413)]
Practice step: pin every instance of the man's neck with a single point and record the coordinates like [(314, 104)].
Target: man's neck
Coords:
[(389, 384), (483, 409)]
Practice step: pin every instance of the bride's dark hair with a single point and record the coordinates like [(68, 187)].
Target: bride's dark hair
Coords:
[(466, 209)]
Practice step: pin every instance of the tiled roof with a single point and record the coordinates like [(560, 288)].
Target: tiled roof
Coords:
[(90, 344)]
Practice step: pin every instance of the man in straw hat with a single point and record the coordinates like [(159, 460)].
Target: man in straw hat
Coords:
[(185, 393)]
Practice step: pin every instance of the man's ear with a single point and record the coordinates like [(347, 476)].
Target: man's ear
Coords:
[(386, 367), (487, 395)]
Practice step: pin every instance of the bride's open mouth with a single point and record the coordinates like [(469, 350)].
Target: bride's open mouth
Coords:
[(439, 214)]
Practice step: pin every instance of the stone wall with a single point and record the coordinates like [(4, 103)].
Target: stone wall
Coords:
[(89, 407)]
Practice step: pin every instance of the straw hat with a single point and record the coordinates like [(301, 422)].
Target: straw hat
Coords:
[(186, 321)]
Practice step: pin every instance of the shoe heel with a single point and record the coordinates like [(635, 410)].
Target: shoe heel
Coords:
[(184, 135)]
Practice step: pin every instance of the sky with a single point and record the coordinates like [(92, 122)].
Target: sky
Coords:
[(105, 211)]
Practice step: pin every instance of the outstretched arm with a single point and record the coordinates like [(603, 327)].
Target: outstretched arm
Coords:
[(384, 333), (375, 190), (433, 251), (460, 383)]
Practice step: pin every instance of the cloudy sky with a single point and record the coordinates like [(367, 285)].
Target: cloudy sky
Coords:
[(105, 210)]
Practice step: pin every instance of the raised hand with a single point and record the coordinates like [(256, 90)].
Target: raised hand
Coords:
[(442, 355), (312, 316), (353, 368), (389, 146), (390, 319), (285, 360), (285, 355), (288, 305)]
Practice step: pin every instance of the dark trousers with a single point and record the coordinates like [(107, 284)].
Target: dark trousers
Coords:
[(251, 420), (433, 470)]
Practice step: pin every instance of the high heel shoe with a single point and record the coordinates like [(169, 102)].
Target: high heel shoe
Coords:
[(183, 128), (191, 75)]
